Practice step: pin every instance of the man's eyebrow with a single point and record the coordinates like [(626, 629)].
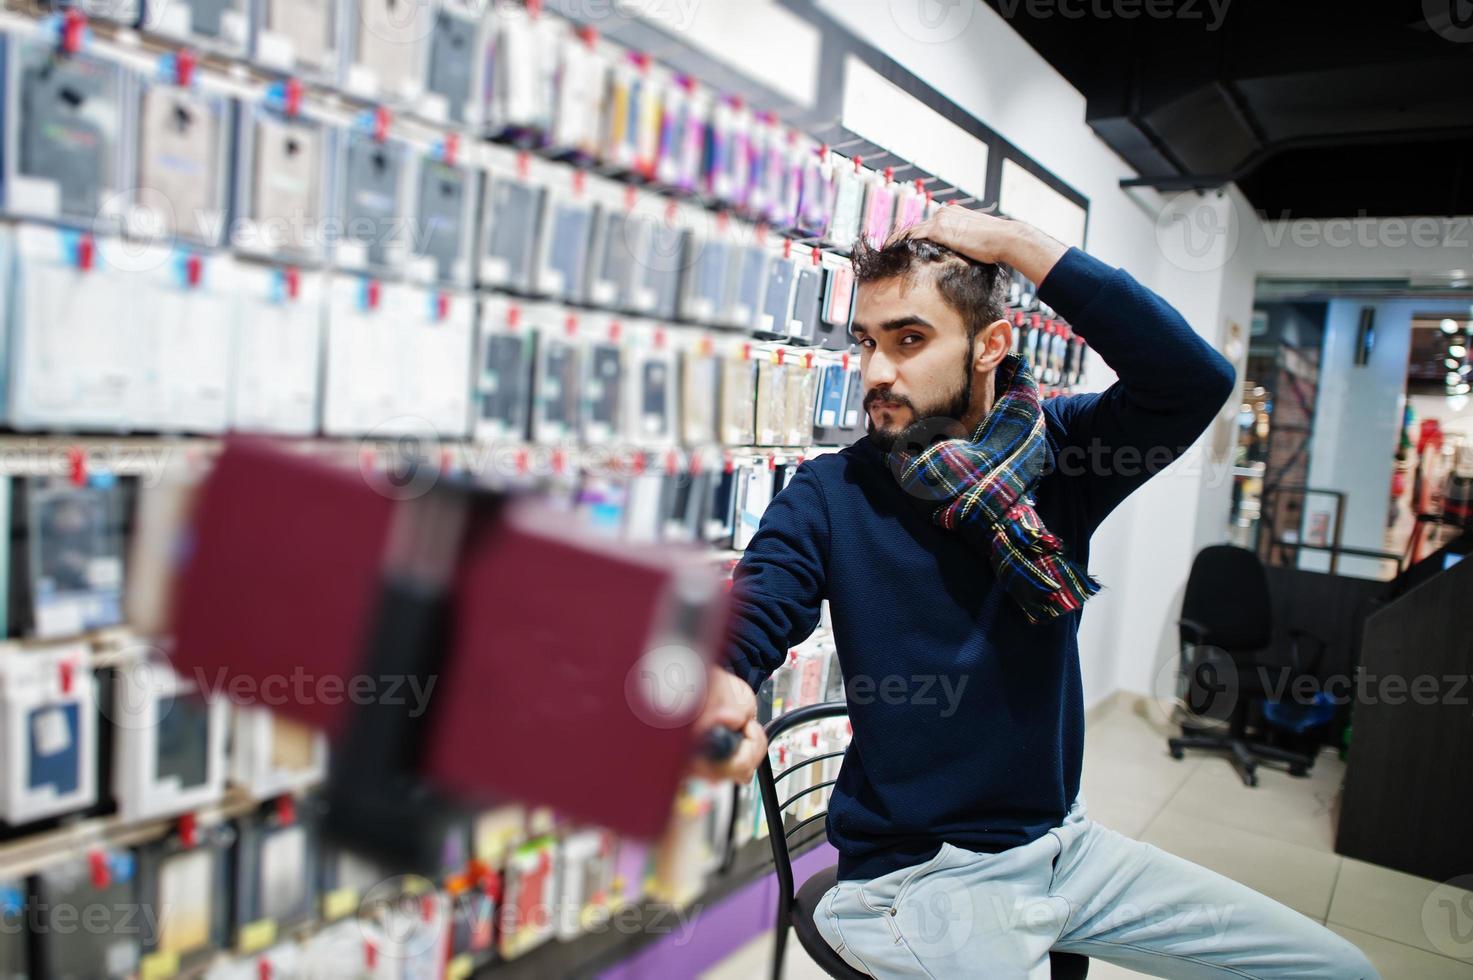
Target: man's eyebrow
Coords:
[(896, 324)]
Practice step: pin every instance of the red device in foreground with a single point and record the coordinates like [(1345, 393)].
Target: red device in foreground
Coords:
[(529, 660)]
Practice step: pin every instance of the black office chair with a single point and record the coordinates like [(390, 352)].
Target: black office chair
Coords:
[(797, 910), (1226, 628)]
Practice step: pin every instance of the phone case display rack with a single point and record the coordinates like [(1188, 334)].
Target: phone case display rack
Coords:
[(556, 248)]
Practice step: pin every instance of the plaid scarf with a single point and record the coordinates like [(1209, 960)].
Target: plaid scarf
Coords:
[(983, 491)]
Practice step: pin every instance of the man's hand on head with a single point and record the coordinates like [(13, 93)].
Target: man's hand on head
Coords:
[(731, 704), (985, 237)]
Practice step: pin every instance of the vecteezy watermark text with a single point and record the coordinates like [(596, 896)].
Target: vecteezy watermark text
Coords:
[(301, 688), (1211, 12)]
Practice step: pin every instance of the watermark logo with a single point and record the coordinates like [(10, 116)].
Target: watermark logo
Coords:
[(144, 690), (1211, 13), (398, 21), (1451, 19), (133, 228), (937, 916), (932, 21), (915, 439), (1198, 232), (666, 688), (1199, 690), (406, 910), (400, 459), (1447, 917), (655, 234)]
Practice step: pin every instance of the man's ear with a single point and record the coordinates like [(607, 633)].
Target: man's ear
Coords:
[(994, 342)]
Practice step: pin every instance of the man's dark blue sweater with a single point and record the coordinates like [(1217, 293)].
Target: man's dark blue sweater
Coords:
[(968, 721)]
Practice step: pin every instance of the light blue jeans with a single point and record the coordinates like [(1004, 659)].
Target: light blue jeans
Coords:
[(1080, 888)]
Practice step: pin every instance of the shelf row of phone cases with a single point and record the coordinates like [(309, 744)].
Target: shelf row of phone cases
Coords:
[(258, 881)]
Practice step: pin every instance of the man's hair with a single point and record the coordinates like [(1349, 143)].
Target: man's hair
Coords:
[(976, 290)]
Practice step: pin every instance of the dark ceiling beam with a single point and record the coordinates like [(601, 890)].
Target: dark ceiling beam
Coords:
[(1183, 181)]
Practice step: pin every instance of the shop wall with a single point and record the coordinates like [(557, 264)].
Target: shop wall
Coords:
[(1360, 248)]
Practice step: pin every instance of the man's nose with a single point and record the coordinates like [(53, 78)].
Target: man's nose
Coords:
[(879, 371)]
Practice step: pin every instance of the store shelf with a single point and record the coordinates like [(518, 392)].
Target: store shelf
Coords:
[(31, 853), (591, 954)]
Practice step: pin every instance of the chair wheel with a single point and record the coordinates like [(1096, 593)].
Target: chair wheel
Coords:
[(1297, 770), (1252, 779), (1177, 753)]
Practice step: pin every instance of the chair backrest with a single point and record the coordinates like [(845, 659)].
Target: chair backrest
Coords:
[(1227, 594), (773, 806)]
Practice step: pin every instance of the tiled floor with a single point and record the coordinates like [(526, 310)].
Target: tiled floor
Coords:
[(1278, 838)]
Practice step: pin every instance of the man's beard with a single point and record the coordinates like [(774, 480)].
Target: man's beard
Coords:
[(953, 406)]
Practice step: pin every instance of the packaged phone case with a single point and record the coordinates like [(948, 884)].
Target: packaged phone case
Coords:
[(838, 300), (66, 554), (523, 78), (75, 358), (282, 161), (803, 320), (222, 26), (103, 886), (582, 84), (298, 36), (773, 391), (879, 212), (48, 732), (620, 259), (828, 415), (603, 382), (566, 236), (376, 177), (507, 355), (556, 393), (815, 191), (388, 46), (183, 158), (700, 391), (787, 180), (650, 398), (187, 338), (515, 198), (271, 755), (802, 392), (397, 359), (657, 281), (750, 293), (278, 350), (681, 858), (712, 271), (168, 742), (738, 400), (910, 206), (530, 891), (689, 507), (775, 313), (64, 133), (442, 236), (850, 184), (720, 147), (187, 879), (456, 51), (275, 891), (854, 418), (14, 956)]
